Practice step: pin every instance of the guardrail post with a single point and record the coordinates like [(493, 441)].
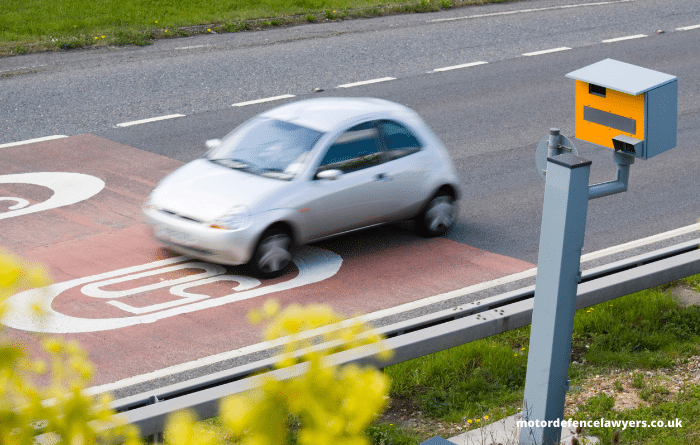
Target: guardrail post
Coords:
[(561, 240), (155, 438)]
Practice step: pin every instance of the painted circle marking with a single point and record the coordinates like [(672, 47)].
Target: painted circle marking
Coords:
[(68, 188)]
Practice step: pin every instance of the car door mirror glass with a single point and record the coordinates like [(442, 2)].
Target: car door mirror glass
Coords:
[(331, 174)]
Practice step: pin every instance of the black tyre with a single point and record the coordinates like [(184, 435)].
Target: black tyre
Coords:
[(272, 255), (438, 217)]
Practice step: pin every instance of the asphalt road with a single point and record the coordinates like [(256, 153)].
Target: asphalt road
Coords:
[(87, 90), (490, 116)]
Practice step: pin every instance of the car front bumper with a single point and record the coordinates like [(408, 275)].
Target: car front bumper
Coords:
[(199, 240)]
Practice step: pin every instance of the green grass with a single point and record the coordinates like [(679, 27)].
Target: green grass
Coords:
[(693, 281), (32, 25), (467, 381), (389, 434), (684, 406), (643, 331)]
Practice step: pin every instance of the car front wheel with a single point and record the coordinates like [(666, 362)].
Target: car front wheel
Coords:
[(438, 216), (273, 255)]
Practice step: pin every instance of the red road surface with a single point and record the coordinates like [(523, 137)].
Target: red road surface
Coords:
[(381, 268)]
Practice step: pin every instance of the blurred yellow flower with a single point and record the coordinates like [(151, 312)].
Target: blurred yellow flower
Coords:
[(9, 271), (271, 308), (333, 405), (73, 416)]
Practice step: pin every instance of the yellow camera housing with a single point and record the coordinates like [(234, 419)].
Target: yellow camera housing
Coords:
[(626, 107)]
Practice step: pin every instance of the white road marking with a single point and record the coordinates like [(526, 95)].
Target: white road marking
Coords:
[(547, 51), (21, 202), (314, 265), (521, 11), (68, 188), (192, 47), (366, 82), (640, 242), (152, 119), (456, 67), (216, 358), (620, 39), (31, 141), (688, 28), (260, 101)]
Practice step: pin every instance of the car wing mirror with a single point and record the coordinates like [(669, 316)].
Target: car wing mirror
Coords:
[(331, 175)]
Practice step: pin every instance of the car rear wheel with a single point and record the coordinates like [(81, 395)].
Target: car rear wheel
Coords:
[(438, 217), (273, 255)]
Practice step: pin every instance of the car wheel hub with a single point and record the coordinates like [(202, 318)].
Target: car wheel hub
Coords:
[(274, 253), (440, 214)]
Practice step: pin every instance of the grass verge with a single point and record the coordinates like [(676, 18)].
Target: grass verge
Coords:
[(630, 361), (38, 25)]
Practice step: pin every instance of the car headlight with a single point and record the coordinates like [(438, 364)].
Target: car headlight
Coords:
[(235, 219)]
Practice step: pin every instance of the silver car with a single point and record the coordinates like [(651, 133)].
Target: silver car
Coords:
[(303, 172)]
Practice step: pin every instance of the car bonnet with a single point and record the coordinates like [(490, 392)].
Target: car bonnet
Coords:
[(204, 191)]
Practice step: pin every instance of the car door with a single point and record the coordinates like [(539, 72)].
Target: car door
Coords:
[(407, 166), (358, 196)]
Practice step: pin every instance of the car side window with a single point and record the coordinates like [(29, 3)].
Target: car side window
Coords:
[(399, 141), (355, 149)]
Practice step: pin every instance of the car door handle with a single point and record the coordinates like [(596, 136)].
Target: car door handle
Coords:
[(383, 177)]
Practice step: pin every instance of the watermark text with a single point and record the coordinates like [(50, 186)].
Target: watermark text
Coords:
[(602, 422)]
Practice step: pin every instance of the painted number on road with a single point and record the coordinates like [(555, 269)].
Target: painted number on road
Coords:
[(314, 265)]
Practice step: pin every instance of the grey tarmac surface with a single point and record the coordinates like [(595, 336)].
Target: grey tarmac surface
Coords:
[(490, 116), (83, 91)]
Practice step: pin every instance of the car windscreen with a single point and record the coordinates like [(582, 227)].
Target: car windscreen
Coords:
[(267, 147)]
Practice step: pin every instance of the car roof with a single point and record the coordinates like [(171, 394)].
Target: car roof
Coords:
[(326, 113)]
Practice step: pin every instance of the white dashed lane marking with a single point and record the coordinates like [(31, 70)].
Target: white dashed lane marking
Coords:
[(152, 119), (366, 82), (260, 101), (688, 28), (547, 51), (456, 67), (31, 141), (620, 39)]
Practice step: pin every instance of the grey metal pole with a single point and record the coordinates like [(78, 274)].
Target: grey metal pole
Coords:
[(561, 240)]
